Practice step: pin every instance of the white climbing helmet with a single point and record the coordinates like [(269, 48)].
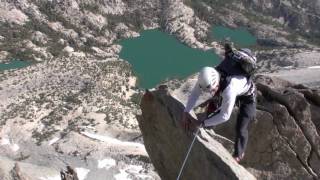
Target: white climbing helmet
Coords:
[(208, 78)]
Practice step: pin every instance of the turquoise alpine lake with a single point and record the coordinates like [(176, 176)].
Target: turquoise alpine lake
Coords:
[(157, 56), (241, 36), (14, 64)]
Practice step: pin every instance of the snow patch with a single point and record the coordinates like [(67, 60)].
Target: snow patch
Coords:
[(314, 67), (143, 176), (15, 147), (134, 169), (52, 141), (123, 175), (106, 163), (5, 141), (50, 178), (82, 173), (111, 140), (287, 67)]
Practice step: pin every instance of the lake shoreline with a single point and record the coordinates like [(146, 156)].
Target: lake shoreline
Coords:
[(14, 64)]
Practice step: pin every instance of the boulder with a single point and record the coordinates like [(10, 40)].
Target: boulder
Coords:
[(39, 37), (124, 32), (4, 56), (68, 50), (101, 53), (13, 15), (95, 21)]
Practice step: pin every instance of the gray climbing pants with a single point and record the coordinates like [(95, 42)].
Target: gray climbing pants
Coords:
[(246, 114)]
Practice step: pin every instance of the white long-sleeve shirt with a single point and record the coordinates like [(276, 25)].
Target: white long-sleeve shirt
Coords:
[(238, 86)]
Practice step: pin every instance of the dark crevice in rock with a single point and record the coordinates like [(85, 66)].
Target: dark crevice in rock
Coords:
[(313, 97), (262, 108), (171, 114), (310, 95), (142, 158), (309, 164), (280, 99), (307, 167)]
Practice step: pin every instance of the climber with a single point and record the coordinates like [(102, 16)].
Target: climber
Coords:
[(231, 84)]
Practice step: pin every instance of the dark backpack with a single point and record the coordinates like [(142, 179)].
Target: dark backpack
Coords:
[(236, 62), (247, 61)]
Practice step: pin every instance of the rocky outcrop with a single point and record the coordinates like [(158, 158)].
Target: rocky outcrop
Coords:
[(179, 20), (12, 15), (167, 143), (299, 15), (3, 56), (39, 37), (295, 141), (283, 144), (284, 137)]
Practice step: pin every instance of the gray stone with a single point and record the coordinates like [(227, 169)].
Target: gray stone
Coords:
[(167, 143), (283, 139), (95, 21), (68, 50), (39, 38), (4, 56)]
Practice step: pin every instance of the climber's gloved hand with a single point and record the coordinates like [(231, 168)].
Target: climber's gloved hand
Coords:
[(189, 123), (196, 123)]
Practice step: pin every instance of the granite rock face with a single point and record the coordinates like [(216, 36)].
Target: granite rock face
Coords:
[(283, 139), (167, 143), (299, 15)]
